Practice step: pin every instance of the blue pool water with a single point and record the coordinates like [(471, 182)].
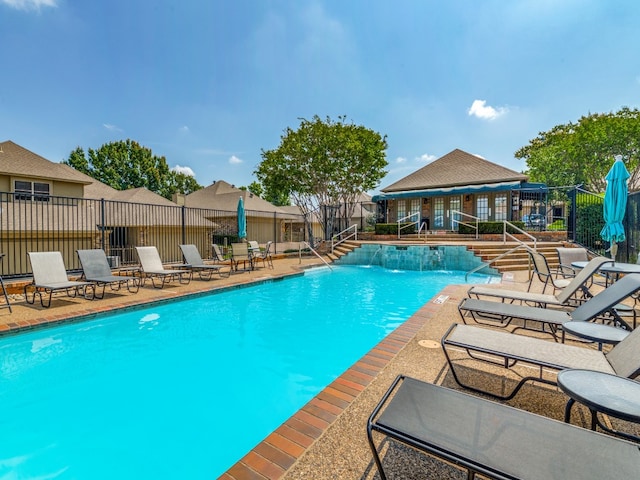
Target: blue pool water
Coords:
[(184, 389)]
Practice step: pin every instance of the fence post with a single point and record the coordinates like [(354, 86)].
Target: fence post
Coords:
[(571, 218), (184, 226), (102, 222)]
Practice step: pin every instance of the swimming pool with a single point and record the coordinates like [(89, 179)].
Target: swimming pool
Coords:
[(182, 390)]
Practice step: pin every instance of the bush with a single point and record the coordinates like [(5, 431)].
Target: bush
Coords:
[(391, 228), (489, 227)]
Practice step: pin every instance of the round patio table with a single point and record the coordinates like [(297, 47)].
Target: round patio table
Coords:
[(600, 392), (595, 332)]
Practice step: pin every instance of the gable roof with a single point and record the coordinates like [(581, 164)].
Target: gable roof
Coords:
[(223, 196), (456, 168), (18, 161)]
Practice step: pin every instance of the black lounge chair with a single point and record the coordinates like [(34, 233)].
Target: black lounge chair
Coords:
[(50, 276), (96, 269), (195, 262), (501, 314), (151, 267), (494, 440), (574, 293), (507, 350)]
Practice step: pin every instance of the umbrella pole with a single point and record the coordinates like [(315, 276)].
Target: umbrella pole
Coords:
[(614, 251)]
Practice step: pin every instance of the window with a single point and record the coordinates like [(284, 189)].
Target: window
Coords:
[(402, 209), (501, 207), (438, 212), (482, 207), (455, 205), (415, 209), (31, 191)]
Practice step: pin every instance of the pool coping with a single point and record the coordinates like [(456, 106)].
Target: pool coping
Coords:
[(280, 450)]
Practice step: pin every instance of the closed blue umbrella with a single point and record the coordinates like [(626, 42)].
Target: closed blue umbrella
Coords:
[(242, 220), (615, 206)]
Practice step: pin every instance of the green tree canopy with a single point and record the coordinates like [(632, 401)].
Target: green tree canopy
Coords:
[(583, 152), (324, 162), (126, 164)]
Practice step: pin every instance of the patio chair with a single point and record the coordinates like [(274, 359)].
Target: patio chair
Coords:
[(543, 273), (567, 296), (217, 254), (264, 255), (50, 276), (568, 255), (151, 266), (240, 253), (195, 262), (502, 314), (493, 440), (96, 269)]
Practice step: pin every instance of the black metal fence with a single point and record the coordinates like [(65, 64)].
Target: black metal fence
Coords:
[(585, 222), (66, 224)]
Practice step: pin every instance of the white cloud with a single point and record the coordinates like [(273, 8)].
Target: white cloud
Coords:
[(185, 170), (401, 160), (183, 129), (233, 160), (480, 109), (426, 158), (112, 128), (29, 4)]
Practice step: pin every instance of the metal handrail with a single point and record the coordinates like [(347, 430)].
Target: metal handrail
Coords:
[(316, 254), (499, 257), (506, 234), (477, 219), (417, 222), (335, 243)]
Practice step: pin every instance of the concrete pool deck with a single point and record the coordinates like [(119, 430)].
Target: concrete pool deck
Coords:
[(326, 439)]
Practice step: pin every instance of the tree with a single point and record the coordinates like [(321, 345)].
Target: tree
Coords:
[(324, 163), (126, 164), (278, 199), (583, 152)]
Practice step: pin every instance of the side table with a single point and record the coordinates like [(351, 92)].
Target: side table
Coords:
[(600, 392), (595, 332)]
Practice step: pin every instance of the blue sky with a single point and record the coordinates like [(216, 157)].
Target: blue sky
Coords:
[(209, 83)]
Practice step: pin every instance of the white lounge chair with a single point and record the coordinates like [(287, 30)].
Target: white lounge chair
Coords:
[(96, 269), (152, 268), (195, 262), (50, 276)]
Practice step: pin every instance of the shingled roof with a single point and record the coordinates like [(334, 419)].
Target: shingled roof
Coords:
[(223, 196), (18, 161), (456, 168)]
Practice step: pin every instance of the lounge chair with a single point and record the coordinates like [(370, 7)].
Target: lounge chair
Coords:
[(567, 296), (506, 350), (240, 253), (195, 262), (96, 269), (501, 314), (50, 276), (151, 266), (264, 255), (494, 440)]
